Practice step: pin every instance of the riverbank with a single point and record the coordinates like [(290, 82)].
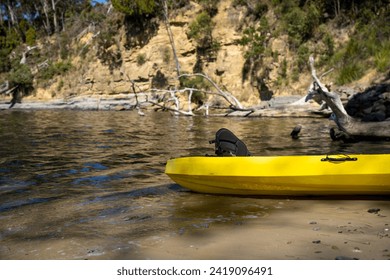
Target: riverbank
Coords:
[(276, 229), (90, 102), (282, 106)]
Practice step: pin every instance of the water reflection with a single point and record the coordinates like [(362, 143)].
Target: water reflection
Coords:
[(80, 185)]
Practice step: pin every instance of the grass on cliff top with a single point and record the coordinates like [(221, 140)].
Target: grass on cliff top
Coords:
[(368, 48)]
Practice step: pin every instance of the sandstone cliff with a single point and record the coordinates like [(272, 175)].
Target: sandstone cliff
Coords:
[(145, 64), (92, 77)]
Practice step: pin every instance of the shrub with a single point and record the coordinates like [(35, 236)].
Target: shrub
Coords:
[(141, 59), (329, 45), (349, 73), (382, 58), (21, 76), (196, 82), (138, 7), (254, 39), (60, 85), (260, 10), (303, 57), (31, 36), (201, 30), (283, 69), (55, 69), (5, 63), (166, 54), (209, 6)]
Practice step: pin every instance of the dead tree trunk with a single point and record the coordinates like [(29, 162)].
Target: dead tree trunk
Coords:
[(55, 20), (170, 35), (235, 104), (352, 127)]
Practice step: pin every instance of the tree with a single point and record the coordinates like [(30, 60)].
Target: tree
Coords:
[(21, 79), (201, 31), (170, 35), (135, 7)]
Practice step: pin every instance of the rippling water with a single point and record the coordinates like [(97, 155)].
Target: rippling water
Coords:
[(77, 185)]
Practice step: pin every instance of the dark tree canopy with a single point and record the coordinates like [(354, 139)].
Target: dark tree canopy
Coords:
[(135, 7)]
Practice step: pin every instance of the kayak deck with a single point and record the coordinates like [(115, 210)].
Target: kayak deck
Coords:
[(284, 175)]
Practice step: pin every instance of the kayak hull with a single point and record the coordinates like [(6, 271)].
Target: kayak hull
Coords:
[(283, 175)]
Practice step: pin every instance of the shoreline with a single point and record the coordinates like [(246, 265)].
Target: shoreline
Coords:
[(284, 106), (285, 229), (331, 230)]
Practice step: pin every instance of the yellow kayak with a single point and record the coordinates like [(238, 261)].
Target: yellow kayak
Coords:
[(284, 175)]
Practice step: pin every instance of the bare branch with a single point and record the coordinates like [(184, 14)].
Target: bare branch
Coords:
[(170, 109), (25, 53), (227, 96), (331, 99), (351, 127)]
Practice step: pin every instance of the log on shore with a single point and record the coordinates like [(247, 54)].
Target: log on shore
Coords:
[(351, 127)]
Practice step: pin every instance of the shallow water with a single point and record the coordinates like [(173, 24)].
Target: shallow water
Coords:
[(88, 184)]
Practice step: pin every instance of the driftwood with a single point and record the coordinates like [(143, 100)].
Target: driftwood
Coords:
[(350, 127), (235, 104)]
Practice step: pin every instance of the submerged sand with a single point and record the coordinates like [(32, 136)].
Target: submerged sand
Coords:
[(284, 229), (312, 229)]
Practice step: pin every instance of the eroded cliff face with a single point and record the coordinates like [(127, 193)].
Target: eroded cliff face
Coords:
[(145, 65), (152, 64)]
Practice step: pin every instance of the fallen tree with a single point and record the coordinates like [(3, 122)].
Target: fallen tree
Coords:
[(351, 128)]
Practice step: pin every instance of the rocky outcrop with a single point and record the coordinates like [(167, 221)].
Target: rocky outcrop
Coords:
[(373, 104)]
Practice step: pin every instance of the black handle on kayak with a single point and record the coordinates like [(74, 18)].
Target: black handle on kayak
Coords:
[(344, 158)]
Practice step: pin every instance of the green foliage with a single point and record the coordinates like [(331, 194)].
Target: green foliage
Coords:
[(257, 9), (236, 3), (329, 45), (303, 57), (166, 54), (382, 58), (135, 7), (60, 85), (284, 6), (55, 69), (260, 9), (348, 61), (63, 46), (209, 6), (21, 76), (159, 80), (84, 51), (5, 63), (300, 24), (107, 38), (196, 82), (141, 59), (368, 48), (349, 73), (255, 39), (283, 69), (201, 30), (31, 36), (12, 39), (177, 4)]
